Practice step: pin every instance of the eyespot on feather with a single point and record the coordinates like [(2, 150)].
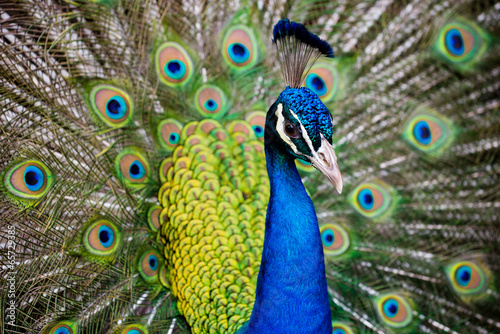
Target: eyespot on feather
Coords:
[(211, 101), (134, 329), (323, 79), (428, 131), (169, 132), (29, 179), (149, 266), (112, 105), (372, 199), (239, 48), (257, 119), (102, 238), (173, 65), (467, 278), (394, 310), (341, 328), (64, 327), (131, 166), (461, 43), (335, 239)]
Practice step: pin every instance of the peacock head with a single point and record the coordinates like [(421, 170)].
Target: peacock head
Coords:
[(299, 124)]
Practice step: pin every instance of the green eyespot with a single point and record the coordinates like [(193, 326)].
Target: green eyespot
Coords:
[(372, 199), (112, 105), (169, 133), (132, 167), (134, 329), (461, 43), (30, 179), (173, 65), (149, 266), (257, 119), (239, 48), (323, 79), (394, 310), (467, 278), (211, 101), (102, 238), (335, 239), (341, 328), (64, 327), (428, 131)]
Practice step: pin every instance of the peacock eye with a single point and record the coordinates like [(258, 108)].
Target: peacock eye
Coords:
[(467, 278), (394, 310), (64, 327), (291, 130), (102, 238)]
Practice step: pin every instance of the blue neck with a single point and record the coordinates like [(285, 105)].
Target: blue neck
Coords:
[(291, 294)]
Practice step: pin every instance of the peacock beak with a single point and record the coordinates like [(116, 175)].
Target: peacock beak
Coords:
[(325, 161)]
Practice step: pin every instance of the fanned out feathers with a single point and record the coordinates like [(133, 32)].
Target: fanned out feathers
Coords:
[(133, 184)]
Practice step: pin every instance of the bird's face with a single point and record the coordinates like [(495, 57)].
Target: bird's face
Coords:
[(301, 124)]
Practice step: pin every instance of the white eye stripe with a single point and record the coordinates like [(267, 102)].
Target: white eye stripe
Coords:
[(305, 135), (280, 128)]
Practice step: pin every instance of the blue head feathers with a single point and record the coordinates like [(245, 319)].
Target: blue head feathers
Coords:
[(297, 49), (311, 113)]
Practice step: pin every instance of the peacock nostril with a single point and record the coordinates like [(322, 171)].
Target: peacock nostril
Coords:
[(324, 159)]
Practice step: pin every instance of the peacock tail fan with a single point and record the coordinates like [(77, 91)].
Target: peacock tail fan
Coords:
[(133, 182)]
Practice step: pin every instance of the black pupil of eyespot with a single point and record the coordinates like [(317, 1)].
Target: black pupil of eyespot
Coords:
[(238, 50), (152, 262), (424, 132), (104, 236), (457, 41), (465, 276), (258, 129), (31, 178), (329, 238), (368, 199), (172, 137), (174, 66), (392, 308), (317, 83), (210, 103), (114, 107), (134, 169)]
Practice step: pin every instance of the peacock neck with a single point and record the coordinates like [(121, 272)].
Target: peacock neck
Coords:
[(291, 294)]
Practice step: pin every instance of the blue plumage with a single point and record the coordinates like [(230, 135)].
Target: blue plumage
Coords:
[(291, 294), (311, 111)]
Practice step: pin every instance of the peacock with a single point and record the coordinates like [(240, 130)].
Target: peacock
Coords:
[(287, 166)]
